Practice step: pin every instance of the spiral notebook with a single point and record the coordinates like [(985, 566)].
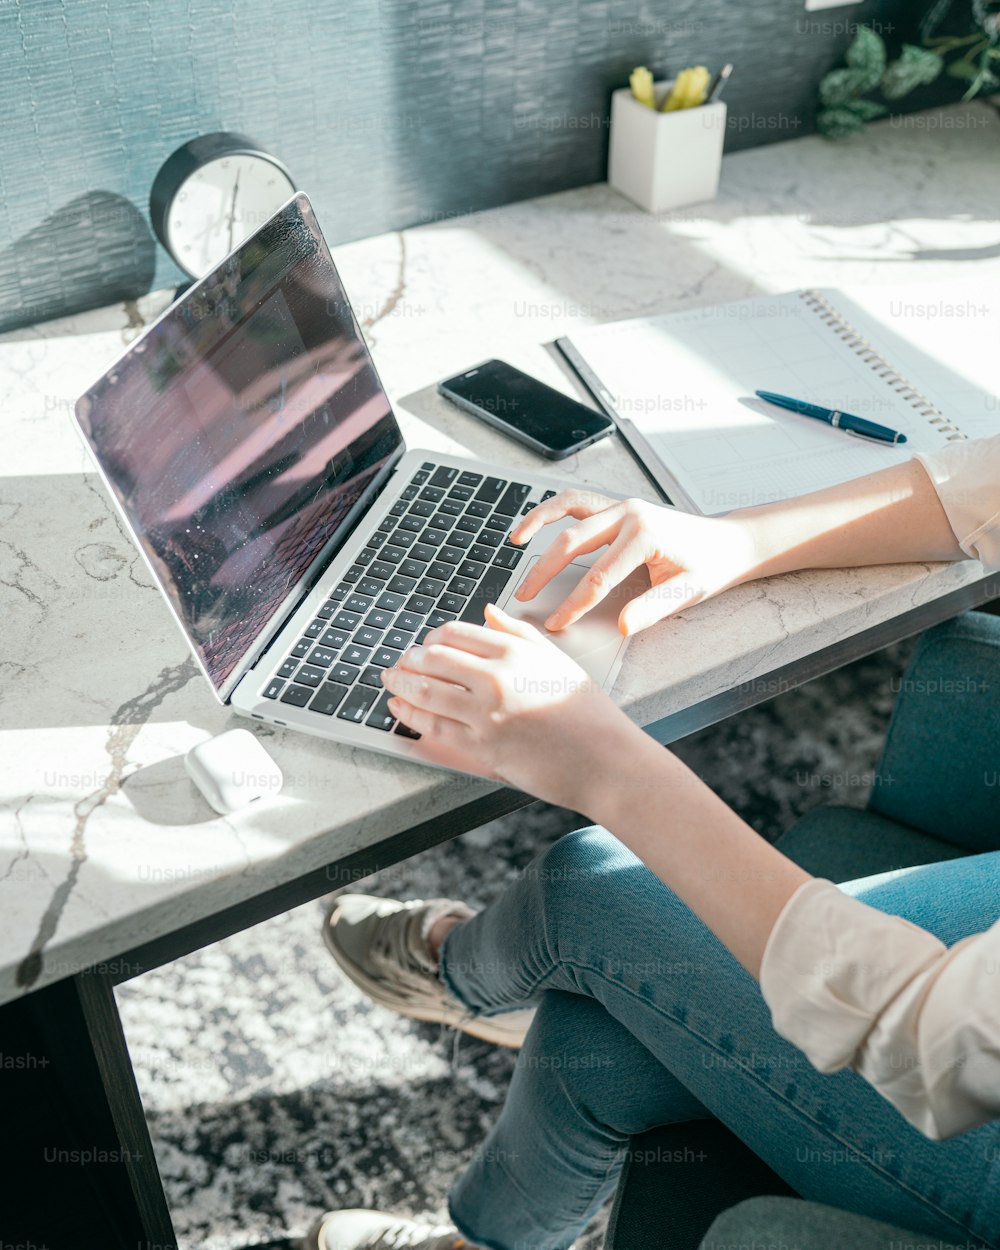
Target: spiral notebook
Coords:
[(680, 387)]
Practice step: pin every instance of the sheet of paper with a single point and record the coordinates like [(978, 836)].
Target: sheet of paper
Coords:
[(687, 380)]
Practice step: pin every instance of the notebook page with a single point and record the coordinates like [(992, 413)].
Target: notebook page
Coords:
[(943, 337), (687, 380)]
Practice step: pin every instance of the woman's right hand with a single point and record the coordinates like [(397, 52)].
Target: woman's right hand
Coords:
[(689, 558), (504, 702)]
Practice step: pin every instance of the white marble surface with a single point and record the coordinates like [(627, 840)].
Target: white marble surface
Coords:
[(103, 841)]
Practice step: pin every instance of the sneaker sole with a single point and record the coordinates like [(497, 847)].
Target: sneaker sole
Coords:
[(312, 1239), (484, 1028)]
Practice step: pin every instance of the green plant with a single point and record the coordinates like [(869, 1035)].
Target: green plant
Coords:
[(845, 94)]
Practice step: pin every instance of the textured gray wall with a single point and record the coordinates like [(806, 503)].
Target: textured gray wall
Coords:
[(388, 112)]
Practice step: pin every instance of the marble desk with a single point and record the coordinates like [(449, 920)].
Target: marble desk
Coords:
[(110, 861)]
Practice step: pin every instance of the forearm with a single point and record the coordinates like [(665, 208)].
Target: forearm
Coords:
[(890, 517), (722, 869)]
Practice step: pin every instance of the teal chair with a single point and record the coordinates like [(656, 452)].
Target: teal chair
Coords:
[(929, 803)]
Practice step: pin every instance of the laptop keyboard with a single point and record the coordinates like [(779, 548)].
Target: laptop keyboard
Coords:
[(441, 554)]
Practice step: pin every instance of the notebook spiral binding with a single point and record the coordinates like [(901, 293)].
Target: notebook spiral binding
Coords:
[(861, 347)]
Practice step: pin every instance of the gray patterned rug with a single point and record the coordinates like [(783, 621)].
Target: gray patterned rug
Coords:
[(274, 1089)]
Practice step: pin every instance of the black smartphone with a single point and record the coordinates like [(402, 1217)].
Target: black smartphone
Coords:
[(542, 418)]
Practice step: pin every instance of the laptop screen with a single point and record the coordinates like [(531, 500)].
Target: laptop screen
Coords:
[(241, 433)]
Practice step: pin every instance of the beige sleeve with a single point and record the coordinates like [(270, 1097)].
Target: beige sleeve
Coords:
[(854, 987), (966, 476)]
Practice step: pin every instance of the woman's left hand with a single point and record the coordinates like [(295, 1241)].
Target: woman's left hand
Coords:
[(505, 703)]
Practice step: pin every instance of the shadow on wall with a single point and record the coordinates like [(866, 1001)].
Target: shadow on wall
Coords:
[(95, 250)]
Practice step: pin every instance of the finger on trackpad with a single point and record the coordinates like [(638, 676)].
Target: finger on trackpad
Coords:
[(597, 628)]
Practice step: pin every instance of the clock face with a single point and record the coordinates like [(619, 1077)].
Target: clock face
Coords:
[(220, 205)]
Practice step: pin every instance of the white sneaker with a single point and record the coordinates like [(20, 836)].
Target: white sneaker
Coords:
[(383, 947), (371, 1230)]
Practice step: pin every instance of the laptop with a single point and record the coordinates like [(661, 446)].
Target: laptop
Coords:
[(254, 456)]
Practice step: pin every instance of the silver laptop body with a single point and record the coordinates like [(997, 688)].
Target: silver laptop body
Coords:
[(254, 457)]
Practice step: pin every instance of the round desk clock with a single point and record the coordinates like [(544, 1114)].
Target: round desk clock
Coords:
[(212, 194)]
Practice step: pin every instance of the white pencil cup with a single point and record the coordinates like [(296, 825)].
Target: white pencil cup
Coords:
[(665, 160)]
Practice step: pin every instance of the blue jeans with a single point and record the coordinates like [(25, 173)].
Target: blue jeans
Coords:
[(645, 1019)]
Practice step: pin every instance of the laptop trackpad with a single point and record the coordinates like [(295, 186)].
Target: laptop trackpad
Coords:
[(594, 640)]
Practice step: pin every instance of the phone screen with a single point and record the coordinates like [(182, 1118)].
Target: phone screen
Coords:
[(540, 412)]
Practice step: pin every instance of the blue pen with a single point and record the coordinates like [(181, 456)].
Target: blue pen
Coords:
[(832, 416)]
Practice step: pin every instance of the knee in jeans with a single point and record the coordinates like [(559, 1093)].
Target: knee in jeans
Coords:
[(579, 1055), (579, 867), (566, 1023)]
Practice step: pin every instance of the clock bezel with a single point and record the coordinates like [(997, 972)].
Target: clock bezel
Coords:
[(183, 163)]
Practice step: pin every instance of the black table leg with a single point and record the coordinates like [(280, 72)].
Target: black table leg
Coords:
[(76, 1160)]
